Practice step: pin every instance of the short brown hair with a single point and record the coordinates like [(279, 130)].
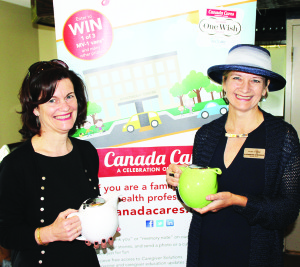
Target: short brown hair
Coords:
[(38, 88)]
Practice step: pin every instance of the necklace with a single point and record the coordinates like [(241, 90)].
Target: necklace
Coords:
[(236, 135)]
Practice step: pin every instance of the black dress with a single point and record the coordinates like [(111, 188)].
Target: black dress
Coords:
[(225, 235), (268, 213), (64, 188), (34, 189)]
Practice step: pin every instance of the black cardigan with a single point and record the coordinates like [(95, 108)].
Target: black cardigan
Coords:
[(269, 213), (20, 185)]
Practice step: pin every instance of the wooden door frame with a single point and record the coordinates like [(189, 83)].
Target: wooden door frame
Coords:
[(289, 63)]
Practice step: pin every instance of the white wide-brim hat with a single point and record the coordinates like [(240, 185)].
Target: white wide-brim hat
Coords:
[(251, 59)]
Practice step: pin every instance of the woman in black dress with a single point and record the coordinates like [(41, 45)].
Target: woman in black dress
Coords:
[(50, 174), (259, 155)]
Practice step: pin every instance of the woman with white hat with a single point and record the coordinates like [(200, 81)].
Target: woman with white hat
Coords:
[(259, 192)]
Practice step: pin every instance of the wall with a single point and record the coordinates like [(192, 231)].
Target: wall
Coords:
[(47, 42), (275, 101), (22, 44), (19, 48)]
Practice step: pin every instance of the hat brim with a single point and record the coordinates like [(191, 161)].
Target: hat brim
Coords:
[(277, 82)]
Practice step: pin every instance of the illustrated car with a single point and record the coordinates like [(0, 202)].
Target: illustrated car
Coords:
[(212, 108), (140, 120)]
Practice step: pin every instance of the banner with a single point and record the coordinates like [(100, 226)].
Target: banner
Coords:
[(144, 64)]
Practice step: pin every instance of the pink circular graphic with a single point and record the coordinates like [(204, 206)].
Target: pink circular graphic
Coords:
[(105, 2), (87, 34)]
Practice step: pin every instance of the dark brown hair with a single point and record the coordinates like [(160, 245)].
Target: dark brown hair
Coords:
[(38, 88)]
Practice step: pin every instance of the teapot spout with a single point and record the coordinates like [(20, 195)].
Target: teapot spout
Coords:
[(216, 170)]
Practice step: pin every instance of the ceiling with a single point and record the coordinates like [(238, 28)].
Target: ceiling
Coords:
[(261, 4), (268, 4)]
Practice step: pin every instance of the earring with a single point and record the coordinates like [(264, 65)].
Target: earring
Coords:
[(225, 97), (37, 119), (264, 97)]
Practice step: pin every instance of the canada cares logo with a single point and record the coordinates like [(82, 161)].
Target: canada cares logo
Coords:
[(136, 161)]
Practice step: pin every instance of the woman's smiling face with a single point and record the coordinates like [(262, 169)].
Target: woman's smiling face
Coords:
[(58, 115), (244, 90)]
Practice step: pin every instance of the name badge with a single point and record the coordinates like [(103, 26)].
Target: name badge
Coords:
[(254, 153)]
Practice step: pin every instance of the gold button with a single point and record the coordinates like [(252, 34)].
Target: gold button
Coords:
[(42, 221), (44, 178), (90, 179), (43, 188)]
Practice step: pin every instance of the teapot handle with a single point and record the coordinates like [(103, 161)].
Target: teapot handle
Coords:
[(74, 214), (182, 168)]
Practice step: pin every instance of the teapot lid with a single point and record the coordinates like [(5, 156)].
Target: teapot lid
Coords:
[(91, 202), (194, 166)]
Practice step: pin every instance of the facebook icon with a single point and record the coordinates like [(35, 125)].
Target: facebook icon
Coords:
[(149, 223)]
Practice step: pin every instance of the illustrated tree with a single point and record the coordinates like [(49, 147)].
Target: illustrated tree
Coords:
[(178, 90), (220, 90), (192, 95), (211, 88), (195, 81), (92, 110)]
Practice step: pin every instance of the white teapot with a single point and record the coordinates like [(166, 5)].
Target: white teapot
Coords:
[(98, 217)]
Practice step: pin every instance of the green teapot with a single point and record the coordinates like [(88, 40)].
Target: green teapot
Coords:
[(196, 183)]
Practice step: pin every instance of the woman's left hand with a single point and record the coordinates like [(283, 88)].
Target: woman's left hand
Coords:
[(222, 200), (103, 244)]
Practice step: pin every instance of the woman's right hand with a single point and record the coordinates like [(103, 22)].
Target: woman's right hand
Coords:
[(62, 229), (173, 175)]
